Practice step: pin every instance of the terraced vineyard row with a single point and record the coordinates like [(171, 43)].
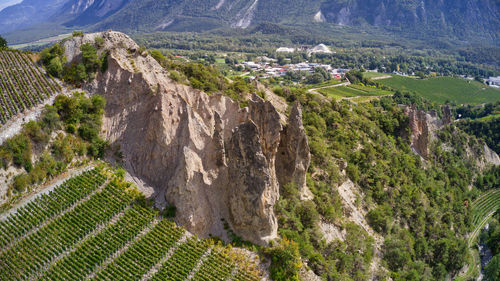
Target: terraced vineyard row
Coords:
[(23, 85), (87, 229), (482, 209), (49, 205)]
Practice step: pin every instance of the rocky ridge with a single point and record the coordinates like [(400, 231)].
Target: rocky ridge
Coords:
[(214, 161), (424, 127)]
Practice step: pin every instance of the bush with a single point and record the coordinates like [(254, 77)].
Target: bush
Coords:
[(3, 42), (99, 42), (19, 147), (20, 183), (54, 67), (169, 211), (77, 33), (89, 58), (307, 213), (379, 218), (285, 261), (157, 55)]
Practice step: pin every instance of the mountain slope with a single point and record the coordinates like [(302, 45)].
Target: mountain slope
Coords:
[(454, 17), (462, 18), (444, 15), (28, 13)]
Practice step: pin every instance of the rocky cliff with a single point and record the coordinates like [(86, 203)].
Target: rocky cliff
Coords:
[(424, 127), (207, 156)]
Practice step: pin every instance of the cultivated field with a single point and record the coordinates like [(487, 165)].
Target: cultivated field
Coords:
[(442, 89), (482, 209), (23, 85), (352, 91), (96, 227)]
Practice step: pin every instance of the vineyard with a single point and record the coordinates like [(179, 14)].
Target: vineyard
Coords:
[(95, 227), (23, 84), (482, 210)]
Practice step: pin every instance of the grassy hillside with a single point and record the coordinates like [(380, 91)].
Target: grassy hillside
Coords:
[(442, 89)]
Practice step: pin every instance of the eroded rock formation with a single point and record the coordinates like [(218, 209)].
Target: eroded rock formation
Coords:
[(423, 129), (207, 156), (293, 154), (419, 126)]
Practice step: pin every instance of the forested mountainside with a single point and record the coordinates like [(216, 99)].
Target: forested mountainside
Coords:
[(341, 190), (464, 18)]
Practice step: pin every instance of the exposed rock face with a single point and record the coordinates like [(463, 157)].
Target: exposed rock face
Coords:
[(490, 156), (419, 126), (204, 154), (252, 188), (424, 126), (293, 154)]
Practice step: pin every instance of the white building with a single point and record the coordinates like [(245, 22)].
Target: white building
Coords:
[(285, 50), (320, 49), (494, 81)]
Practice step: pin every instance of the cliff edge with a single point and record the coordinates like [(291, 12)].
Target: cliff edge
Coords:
[(211, 159)]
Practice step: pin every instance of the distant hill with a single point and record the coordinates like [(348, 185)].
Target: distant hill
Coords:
[(459, 18)]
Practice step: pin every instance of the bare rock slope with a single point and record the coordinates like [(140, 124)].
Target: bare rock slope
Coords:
[(210, 158)]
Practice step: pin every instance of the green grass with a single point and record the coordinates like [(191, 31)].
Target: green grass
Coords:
[(370, 75), (489, 117), (352, 91), (331, 82), (442, 89)]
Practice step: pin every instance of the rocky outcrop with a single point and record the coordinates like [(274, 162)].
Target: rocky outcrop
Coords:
[(252, 187), (204, 154), (423, 129), (423, 126), (293, 154), (420, 133)]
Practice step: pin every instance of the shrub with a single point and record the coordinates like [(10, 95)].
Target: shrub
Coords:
[(54, 67), (308, 214), (99, 42), (3, 42), (20, 148), (77, 33), (285, 261), (20, 183), (89, 58), (378, 218)]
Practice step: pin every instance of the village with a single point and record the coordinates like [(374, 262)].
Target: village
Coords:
[(266, 67)]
